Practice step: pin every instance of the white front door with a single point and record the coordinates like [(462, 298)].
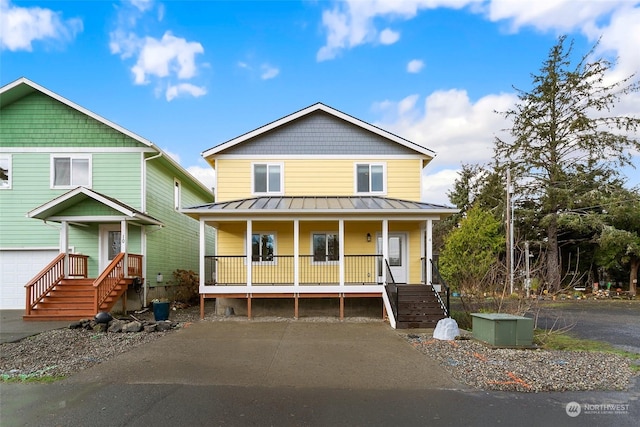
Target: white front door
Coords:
[(110, 244), (397, 256)]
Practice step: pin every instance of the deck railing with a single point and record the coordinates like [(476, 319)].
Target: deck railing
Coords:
[(78, 265), (280, 270), (108, 280), (446, 306), (134, 262), (47, 279)]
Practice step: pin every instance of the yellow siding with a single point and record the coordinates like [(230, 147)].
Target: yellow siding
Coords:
[(318, 177)]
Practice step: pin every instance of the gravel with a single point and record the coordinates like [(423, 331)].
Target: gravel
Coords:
[(62, 352)]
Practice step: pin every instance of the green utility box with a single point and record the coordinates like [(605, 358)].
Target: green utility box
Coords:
[(503, 330)]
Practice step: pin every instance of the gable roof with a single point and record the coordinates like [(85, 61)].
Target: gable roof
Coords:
[(309, 110), (22, 87), (49, 210)]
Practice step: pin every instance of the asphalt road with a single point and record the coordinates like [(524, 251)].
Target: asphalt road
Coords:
[(294, 374), (613, 321)]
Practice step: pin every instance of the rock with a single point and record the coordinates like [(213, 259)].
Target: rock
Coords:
[(163, 326), (134, 326), (116, 326), (150, 328), (446, 329), (75, 325), (100, 327)]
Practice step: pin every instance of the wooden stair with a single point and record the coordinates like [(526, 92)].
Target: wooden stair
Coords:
[(417, 306), (72, 299)]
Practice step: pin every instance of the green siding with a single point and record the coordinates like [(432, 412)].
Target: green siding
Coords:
[(38, 121)]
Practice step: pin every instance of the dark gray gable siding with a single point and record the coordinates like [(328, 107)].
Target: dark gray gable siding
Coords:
[(319, 133)]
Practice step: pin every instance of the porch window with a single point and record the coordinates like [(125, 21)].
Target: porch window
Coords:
[(5, 172), (267, 178), (370, 178), (325, 247), (263, 247), (70, 171)]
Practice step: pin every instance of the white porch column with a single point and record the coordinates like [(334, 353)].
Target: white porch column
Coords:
[(248, 252), (385, 247), (296, 252), (341, 249), (202, 254), (429, 252), (124, 239), (64, 245)]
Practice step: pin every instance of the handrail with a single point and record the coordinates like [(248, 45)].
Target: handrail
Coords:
[(78, 265), (108, 280), (134, 265), (47, 279), (441, 281)]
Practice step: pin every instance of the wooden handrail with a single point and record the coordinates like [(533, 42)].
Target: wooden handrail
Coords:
[(135, 265), (78, 265), (48, 278), (108, 280)]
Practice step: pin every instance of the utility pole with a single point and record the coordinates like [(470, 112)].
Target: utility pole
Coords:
[(509, 227)]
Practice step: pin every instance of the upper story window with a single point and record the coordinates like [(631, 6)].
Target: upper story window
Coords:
[(5, 172), (326, 247), (263, 247), (177, 194), (267, 178), (70, 171), (370, 178)]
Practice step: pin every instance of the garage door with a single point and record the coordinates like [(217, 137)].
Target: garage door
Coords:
[(16, 269)]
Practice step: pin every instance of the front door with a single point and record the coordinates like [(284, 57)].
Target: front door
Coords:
[(397, 256), (110, 244)]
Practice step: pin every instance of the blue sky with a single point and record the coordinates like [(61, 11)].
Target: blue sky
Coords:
[(189, 75)]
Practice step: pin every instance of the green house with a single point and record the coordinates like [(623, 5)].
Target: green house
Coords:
[(83, 198)]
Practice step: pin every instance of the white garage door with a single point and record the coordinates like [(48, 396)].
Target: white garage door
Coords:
[(16, 269)]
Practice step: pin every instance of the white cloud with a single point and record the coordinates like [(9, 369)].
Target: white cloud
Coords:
[(415, 66), (205, 175), (161, 61), (169, 55), (449, 123), (21, 26), (171, 154), (388, 36), (350, 23), (268, 72), (174, 91)]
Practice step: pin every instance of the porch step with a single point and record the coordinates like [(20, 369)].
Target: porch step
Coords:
[(73, 299), (417, 306)]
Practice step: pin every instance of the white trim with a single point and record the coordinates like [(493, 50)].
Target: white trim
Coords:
[(369, 193), (429, 252), (93, 150), (34, 248), (319, 107), (71, 157), (364, 157), (9, 158), (268, 165), (305, 215), (330, 290), (202, 253), (296, 252), (249, 255)]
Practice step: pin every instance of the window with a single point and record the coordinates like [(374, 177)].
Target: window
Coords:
[(267, 178), (70, 171), (326, 247), (177, 194), (5, 172), (263, 247), (370, 178)]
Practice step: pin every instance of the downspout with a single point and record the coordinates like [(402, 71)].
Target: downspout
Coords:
[(143, 206)]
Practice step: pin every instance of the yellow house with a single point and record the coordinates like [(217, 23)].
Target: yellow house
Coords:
[(318, 204)]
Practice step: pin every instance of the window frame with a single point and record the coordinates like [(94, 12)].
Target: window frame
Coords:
[(326, 248), (370, 165), (268, 165), (9, 160), (71, 158), (261, 261), (177, 194)]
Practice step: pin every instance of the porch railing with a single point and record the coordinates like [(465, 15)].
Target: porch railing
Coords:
[(108, 280), (279, 270), (445, 306), (78, 265), (134, 262), (47, 279)]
